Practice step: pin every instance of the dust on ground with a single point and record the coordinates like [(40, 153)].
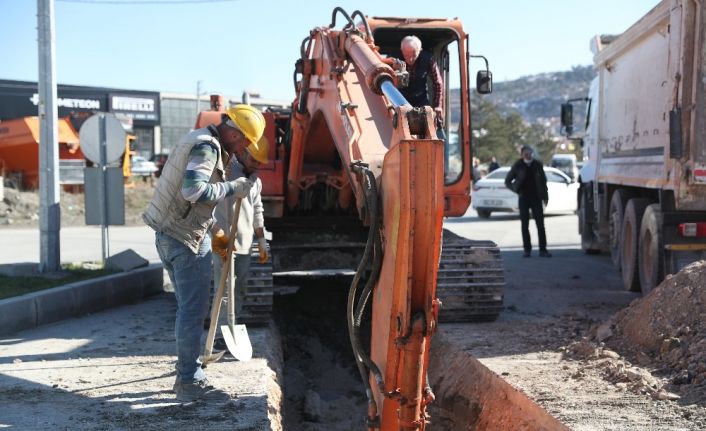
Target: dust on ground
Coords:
[(21, 208)]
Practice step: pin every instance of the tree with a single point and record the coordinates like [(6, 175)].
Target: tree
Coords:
[(502, 136)]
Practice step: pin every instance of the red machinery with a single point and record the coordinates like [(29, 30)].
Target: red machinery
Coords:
[(19, 147), (358, 175)]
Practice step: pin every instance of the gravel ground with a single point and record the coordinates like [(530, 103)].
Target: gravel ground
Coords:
[(115, 370), (554, 305)]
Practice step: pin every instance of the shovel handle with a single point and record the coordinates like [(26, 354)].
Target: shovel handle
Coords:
[(231, 286), (225, 272)]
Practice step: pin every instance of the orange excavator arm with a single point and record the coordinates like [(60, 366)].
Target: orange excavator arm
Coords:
[(392, 169)]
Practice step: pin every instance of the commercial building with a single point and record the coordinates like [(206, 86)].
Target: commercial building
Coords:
[(138, 111)]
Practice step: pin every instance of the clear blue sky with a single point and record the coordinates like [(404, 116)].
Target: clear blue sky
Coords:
[(247, 44)]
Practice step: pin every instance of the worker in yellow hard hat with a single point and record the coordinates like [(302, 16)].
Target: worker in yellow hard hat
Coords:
[(251, 219), (249, 122), (193, 181)]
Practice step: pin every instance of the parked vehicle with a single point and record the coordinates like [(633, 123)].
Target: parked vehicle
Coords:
[(490, 194), (643, 185), (567, 164), (142, 166)]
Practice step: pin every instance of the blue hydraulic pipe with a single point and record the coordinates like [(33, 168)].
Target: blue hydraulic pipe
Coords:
[(392, 93)]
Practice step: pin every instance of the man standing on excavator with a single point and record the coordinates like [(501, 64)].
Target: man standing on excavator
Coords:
[(181, 213), (251, 220), (422, 66)]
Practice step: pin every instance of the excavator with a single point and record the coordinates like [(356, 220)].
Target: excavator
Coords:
[(359, 178)]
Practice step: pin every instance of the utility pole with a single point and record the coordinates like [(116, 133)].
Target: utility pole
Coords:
[(198, 97), (49, 210)]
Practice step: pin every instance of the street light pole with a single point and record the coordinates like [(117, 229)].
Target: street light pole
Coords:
[(49, 210), (198, 97)]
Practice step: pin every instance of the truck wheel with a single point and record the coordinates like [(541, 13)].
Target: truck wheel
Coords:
[(634, 211), (651, 256), (483, 213), (588, 239), (616, 210)]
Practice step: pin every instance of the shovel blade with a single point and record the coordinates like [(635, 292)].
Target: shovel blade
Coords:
[(238, 342)]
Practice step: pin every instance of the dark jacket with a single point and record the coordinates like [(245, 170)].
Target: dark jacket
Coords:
[(416, 92), (518, 175)]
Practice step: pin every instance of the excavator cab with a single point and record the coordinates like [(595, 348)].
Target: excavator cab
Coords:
[(448, 44)]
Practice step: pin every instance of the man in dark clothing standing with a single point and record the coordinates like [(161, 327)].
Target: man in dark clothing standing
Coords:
[(527, 179), (493, 165)]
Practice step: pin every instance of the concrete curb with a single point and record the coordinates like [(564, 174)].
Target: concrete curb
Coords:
[(75, 299)]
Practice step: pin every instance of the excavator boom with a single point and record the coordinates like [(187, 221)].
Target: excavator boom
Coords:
[(393, 164)]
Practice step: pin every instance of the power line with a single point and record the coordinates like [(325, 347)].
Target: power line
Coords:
[(146, 2)]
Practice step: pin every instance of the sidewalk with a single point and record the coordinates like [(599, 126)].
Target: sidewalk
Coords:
[(114, 371), (78, 244)]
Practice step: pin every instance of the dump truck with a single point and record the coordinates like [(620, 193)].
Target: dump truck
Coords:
[(643, 184), (358, 178)]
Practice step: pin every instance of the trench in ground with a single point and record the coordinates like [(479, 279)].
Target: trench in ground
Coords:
[(323, 389)]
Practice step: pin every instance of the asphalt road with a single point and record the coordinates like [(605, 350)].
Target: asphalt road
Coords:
[(570, 278), (78, 244), (569, 282), (84, 243)]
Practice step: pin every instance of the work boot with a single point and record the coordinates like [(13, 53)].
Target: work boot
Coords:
[(197, 390), (544, 253)]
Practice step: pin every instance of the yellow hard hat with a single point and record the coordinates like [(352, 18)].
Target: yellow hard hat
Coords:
[(248, 120), (258, 151)]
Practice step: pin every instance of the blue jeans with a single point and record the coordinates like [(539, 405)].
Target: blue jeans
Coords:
[(190, 275)]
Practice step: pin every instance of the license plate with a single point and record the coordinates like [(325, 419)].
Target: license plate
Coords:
[(492, 202)]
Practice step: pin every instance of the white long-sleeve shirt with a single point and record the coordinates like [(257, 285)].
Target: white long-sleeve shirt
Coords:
[(251, 211)]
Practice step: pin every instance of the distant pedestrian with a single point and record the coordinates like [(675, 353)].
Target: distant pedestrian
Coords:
[(493, 165), (527, 179), (476, 173)]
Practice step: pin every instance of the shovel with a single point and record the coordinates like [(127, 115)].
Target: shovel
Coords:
[(235, 336)]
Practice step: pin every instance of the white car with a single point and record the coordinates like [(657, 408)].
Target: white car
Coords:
[(490, 194), (141, 166)]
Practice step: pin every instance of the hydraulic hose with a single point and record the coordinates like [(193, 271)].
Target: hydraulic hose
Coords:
[(363, 361), (368, 33), (344, 13), (371, 197)]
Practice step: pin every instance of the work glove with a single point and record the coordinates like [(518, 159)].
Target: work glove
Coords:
[(219, 243), (242, 187), (262, 249)]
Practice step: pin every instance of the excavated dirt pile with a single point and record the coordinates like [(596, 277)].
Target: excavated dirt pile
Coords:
[(664, 333)]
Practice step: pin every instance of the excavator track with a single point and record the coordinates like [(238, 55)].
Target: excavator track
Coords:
[(471, 280), (470, 284), (257, 305)]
